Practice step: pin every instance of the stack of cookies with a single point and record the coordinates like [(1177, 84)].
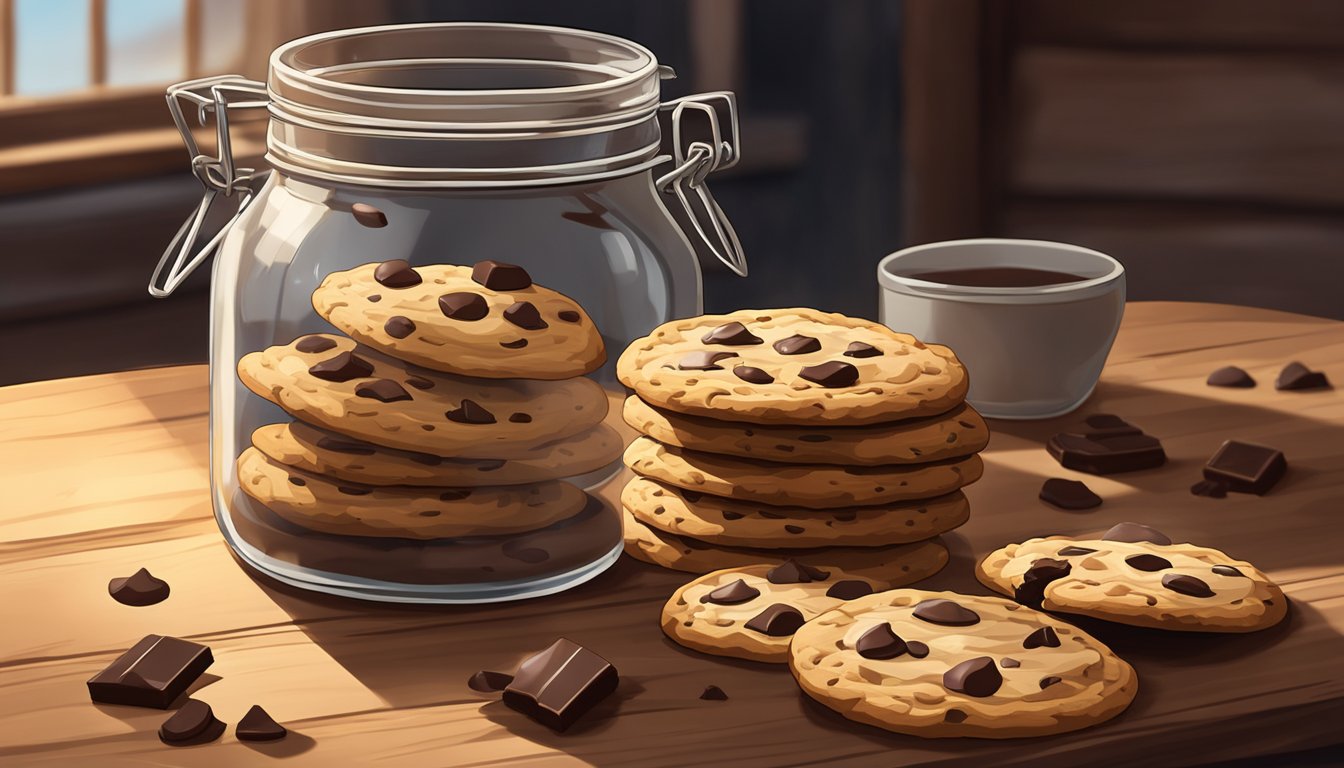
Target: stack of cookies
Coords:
[(772, 435), (452, 408)]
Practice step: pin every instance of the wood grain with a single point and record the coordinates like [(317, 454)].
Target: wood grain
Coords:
[(106, 473)]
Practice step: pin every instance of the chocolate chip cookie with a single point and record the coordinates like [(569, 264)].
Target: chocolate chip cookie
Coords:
[(332, 382), (316, 450), (1134, 574), (813, 486), (941, 664), (331, 506), (752, 612), (959, 432), (731, 523), (792, 366), (488, 320)]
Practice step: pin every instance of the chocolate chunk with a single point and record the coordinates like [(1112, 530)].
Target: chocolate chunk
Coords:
[(849, 589), (1072, 551), (138, 589), (470, 413), (703, 361), (258, 725), (524, 314), (752, 375), (399, 327), (1068, 494), (1186, 585), (734, 593), (946, 613), (1108, 425), (455, 494), (794, 572), (1133, 533), (1296, 376), (382, 390), (1246, 467), (1043, 571), (831, 374), (343, 367), (713, 693), (1230, 376), (794, 529), (880, 642), (797, 344), (977, 677), (954, 716), (1045, 637), (916, 649), (419, 383), (396, 273), (343, 445), (1227, 570), (499, 276), (731, 334), (558, 685), (520, 418), (779, 620), (1149, 563), (1009, 663), (859, 349), (486, 681), (194, 723), (299, 481), (1046, 682), (375, 297), (1104, 454), (463, 306), (313, 344), (369, 216), (1214, 489), (153, 673), (515, 344), (568, 315), (354, 490)]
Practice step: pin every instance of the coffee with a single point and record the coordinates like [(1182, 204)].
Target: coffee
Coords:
[(997, 277)]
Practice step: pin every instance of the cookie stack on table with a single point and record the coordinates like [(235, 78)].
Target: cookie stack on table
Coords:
[(793, 434), (452, 408)]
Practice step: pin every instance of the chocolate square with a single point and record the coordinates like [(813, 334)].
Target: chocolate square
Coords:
[(1246, 467), (556, 686), (153, 673)]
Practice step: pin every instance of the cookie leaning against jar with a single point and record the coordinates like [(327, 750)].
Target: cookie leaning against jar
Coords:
[(488, 320), (792, 366)]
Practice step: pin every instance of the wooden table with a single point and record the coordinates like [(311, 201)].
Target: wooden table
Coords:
[(103, 474)]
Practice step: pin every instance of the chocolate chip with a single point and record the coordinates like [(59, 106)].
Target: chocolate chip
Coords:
[(399, 327), (487, 681), (1186, 585), (1227, 570), (383, 390), (419, 383), (396, 273), (691, 496), (299, 481), (794, 572), (499, 276), (727, 515), (368, 215), (524, 314), (734, 593), (880, 642), (258, 725), (1231, 376), (354, 490), (1246, 467), (954, 716), (343, 367), (193, 723), (520, 418), (752, 375), (515, 344), (859, 349), (1134, 533), (470, 413), (1296, 376), (831, 374), (794, 529), (849, 589), (1034, 581), (568, 315), (946, 613), (703, 361), (1068, 494), (138, 589), (1044, 637), (1213, 489), (455, 494), (1072, 551), (731, 334), (797, 344), (1046, 682), (463, 306), (815, 438), (779, 620), (1009, 663), (1149, 563), (977, 677), (713, 693), (916, 649), (313, 344), (375, 297)]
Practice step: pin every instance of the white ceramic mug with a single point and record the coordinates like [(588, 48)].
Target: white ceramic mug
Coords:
[(1032, 352)]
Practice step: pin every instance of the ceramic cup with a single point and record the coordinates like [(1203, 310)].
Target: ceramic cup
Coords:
[(1032, 352)]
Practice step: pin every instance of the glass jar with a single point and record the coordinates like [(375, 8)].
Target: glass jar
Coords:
[(439, 144)]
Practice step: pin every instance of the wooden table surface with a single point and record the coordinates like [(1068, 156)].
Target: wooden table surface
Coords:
[(103, 474)]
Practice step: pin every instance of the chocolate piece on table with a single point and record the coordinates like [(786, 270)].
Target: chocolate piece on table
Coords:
[(369, 216), (1106, 453), (258, 725), (399, 327), (797, 344), (1107, 425), (313, 344), (849, 589), (499, 276), (703, 361), (1214, 489), (859, 349), (1296, 376), (713, 693), (464, 305), (1133, 532), (946, 613), (557, 686), (524, 314), (1246, 467), (732, 594), (382, 390), (1187, 585), (396, 273), (153, 673), (139, 589), (1068, 494), (732, 334), (1071, 551), (831, 374), (342, 367), (1230, 376), (487, 681), (794, 572), (1227, 570), (880, 642), (977, 677), (1149, 563), (752, 375), (470, 412), (916, 649), (194, 723), (779, 620), (1045, 637), (1043, 571)]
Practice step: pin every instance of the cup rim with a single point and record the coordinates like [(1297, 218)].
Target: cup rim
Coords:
[(890, 280)]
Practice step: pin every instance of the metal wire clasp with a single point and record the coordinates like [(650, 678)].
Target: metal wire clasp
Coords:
[(695, 160), (190, 247)]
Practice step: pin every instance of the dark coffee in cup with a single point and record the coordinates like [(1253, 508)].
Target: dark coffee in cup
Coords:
[(997, 277)]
